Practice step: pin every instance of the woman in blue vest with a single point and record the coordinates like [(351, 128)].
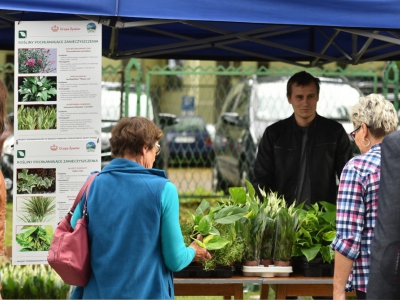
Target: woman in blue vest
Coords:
[(133, 210)]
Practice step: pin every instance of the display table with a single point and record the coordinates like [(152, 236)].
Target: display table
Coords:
[(298, 285), (293, 285), (226, 287)]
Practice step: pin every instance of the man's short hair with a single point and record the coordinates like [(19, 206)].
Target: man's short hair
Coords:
[(301, 78)]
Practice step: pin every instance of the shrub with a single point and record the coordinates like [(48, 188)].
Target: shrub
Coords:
[(31, 282)]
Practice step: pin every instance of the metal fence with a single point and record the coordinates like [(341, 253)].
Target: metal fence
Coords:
[(208, 89), (203, 91)]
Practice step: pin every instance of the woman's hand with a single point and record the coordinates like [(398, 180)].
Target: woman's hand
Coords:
[(201, 253)]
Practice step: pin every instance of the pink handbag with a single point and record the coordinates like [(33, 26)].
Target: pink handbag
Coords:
[(69, 251)]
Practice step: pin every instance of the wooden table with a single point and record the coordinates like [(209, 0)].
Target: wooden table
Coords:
[(226, 287), (297, 285), (293, 285)]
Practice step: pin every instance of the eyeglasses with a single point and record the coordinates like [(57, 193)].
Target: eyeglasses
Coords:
[(353, 133), (158, 150)]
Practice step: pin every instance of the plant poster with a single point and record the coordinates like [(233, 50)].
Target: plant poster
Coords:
[(57, 127)]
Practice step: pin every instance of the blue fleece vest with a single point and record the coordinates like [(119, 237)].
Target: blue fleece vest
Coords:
[(124, 209)]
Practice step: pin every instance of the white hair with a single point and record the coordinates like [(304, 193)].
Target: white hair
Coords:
[(377, 113)]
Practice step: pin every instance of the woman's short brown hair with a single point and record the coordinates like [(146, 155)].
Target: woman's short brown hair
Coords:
[(131, 134)]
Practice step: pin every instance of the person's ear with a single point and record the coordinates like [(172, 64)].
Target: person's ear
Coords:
[(144, 150), (364, 130)]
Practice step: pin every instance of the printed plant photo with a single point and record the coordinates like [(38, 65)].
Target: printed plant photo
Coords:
[(37, 117), (36, 209), (36, 181), (37, 88), (34, 237), (37, 60)]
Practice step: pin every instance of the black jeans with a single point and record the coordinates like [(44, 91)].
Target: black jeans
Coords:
[(361, 295)]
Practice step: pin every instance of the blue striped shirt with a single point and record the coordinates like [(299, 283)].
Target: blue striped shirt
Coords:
[(357, 206)]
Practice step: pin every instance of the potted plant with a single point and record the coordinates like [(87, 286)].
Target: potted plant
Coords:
[(217, 226), (314, 235), (252, 226), (273, 202), (231, 254), (285, 228), (316, 231), (205, 219), (251, 230)]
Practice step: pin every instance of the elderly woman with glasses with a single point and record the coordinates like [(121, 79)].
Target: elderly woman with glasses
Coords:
[(373, 118), (133, 210)]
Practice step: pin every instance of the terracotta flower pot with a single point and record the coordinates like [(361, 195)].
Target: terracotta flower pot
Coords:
[(282, 263), (266, 262), (250, 262)]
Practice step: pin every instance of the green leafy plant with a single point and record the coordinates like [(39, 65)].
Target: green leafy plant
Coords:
[(37, 117), (316, 231), (252, 226), (205, 219), (217, 225), (273, 202), (37, 88), (231, 253), (286, 224), (32, 183), (37, 209), (35, 238), (35, 60), (31, 282)]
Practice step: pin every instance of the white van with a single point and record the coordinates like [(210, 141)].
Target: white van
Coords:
[(113, 102), (113, 108)]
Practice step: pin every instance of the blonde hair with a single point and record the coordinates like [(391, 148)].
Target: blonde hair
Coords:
[(377, 113)]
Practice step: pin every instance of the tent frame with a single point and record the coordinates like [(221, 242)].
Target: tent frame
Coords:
[(362, 41)]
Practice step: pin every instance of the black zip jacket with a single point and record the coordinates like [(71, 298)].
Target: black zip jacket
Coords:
[(277, 164)]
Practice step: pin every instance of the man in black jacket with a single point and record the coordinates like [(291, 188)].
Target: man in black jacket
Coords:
[(384, 276), (301, 157)]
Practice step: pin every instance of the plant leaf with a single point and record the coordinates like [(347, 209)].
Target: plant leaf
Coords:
[(327, 254), (205, 225), (312, 252), (250, 189), (214, 242), (238, 195), (329, 236), (229, 215), (204, 205)]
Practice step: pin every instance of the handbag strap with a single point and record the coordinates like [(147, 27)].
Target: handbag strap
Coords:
[(85, 187)]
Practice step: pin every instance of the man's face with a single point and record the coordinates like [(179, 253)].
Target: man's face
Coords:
[(304, 100)]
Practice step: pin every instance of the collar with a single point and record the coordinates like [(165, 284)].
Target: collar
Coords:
[(312, 125)]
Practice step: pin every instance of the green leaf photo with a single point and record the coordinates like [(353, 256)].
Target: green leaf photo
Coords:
[(37, 88)]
